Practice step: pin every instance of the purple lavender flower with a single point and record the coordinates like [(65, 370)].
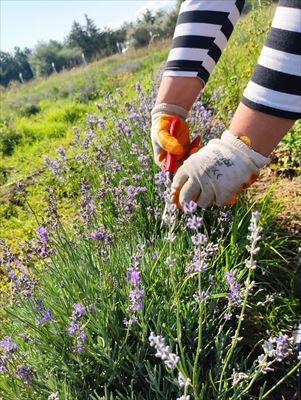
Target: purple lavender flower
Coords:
[(182, 381), (160, 178), (162, 351), (11, 275), (234, 296), (79, 310), (194, 222), (136, 295), (88, 208), (39, 305), (72, 328), (23, 284), (8, 346), (198, 264), (227, 316), (199, 239), (92, 118), (82, 336), (2, 368), (80, 339), (88, 138), (25, 373), (134, 149), (136, 177), (54, 166), (119, 91), (98, 235), (143, 161), (43, 232), (47, 315), (190, 207), (134, 276), (278, 347), (138, 87), (75, 327), (61, 151), (101, 123)]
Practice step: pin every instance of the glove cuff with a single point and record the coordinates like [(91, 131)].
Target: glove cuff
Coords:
[(258, 159), (172, 109)]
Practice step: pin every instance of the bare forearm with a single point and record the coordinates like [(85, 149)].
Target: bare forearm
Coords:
[(265, 131), (181, 91)]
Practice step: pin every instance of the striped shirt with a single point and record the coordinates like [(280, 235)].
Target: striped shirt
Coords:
[(202, 31)]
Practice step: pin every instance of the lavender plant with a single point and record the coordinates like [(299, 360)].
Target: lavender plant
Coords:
[(88, 303)]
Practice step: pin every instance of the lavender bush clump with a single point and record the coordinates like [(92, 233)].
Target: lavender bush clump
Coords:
[(191, 279)]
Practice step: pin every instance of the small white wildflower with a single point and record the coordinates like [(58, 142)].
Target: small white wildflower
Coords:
[(238, 339), (184, 397), (170, 261), (299, 356), (54, 396), (170, 237), (201, 297), (162, 351), (268, 348), (263, 364), (249, 285), (183, 382), (268, 299), (254, 235), (251, 264), (238, 376)]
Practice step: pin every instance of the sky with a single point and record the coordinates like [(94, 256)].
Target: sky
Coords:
[(25, 22)]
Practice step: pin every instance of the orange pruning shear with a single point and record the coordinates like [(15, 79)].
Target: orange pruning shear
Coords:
[(171, 163)]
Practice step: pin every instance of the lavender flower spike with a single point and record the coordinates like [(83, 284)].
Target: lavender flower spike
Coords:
[(25, 373), (162, 351), (254, 235), (8, 346)]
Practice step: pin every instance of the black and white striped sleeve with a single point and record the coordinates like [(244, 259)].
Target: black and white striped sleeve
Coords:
[(202, 31), (275, 87)]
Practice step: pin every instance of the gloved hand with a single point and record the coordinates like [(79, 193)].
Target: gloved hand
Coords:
[(217, 173), (162, 142)]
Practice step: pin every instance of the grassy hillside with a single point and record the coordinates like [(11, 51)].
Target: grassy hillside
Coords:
[(39, 116)]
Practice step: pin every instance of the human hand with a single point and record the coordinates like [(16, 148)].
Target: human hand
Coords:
[(162, 141), (217, 173)]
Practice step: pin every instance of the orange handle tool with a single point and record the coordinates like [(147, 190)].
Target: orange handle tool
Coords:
[(171, 160)]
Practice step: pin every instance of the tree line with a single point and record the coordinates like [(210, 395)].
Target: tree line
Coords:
[(87, 42), (83, 44)]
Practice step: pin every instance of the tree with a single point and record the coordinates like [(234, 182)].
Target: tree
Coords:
[(53, 55), (12, 65), (91, 40)]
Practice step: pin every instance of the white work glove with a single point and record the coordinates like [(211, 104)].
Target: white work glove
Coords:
[(162, 142), (217, 173)]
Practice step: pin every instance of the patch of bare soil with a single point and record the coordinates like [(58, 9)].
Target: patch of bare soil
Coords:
[(287, 192)]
